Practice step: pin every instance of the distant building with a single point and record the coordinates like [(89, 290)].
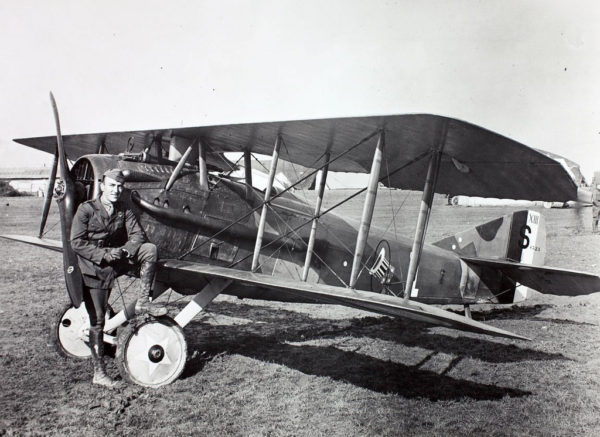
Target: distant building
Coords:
[(27, 180)]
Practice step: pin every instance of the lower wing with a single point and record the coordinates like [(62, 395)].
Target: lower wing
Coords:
[(40, 242), (364, 300), (374, 302)]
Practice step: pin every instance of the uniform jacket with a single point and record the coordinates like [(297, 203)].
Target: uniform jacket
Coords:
[(94, 232)]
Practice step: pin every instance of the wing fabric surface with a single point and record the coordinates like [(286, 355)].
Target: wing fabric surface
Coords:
[(39, 242), (546, 280), (374, 302), (475, 161)]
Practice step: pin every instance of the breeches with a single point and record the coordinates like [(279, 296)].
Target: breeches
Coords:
[(95, 298), (146, 252), (106, 274)]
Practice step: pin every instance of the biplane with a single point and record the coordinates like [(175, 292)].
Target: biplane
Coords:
[(217, 233)]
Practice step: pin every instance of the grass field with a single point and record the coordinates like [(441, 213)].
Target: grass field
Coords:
[(264, 368)]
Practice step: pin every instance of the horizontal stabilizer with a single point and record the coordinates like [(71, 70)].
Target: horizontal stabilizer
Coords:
[(40, 242), (548, 280), (378, 303)]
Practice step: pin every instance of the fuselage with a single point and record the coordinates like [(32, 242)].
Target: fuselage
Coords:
[(218, 225)]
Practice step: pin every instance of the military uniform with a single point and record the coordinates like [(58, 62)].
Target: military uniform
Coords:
[(108, 244), (94, 232), (595, 206)]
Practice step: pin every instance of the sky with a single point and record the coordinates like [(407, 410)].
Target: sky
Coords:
[(529, 70)]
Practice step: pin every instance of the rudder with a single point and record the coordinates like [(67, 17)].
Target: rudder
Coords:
[(519, 237)]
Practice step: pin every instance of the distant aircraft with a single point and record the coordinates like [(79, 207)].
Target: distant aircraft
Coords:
[(218, 234), (584, 193)]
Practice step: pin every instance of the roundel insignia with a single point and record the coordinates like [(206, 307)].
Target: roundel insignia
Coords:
[(70, 269)]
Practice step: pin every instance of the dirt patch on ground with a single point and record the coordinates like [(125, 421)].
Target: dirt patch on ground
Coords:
[(263, 368)]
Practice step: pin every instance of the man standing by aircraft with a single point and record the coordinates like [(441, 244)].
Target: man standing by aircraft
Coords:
[(595, 205), (109, 241)]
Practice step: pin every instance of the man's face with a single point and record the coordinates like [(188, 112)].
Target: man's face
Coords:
[(111, 189)]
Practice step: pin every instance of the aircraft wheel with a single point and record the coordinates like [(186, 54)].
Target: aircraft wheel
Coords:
[(70, 332), (151, 353)]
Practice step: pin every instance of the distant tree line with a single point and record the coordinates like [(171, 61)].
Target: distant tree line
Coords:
[(6, 190)]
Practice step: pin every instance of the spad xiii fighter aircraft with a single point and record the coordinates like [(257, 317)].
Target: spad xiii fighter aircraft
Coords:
[(216, 233)]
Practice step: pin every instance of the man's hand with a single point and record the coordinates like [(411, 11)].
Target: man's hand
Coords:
[(114, 254)]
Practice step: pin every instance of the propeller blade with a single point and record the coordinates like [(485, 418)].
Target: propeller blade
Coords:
[(66, 198), (49, 191)]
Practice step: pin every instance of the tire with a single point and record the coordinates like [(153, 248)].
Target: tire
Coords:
[(151, 353), (69, 332)]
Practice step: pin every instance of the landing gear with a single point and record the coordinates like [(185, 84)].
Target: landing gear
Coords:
[(468, 311), (70, 332), (151, 352)]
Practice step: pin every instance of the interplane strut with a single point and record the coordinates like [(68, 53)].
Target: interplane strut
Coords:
[(322, 178), (367, 215), (424, 212), (263, 215)]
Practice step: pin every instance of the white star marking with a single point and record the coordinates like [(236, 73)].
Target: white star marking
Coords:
[(143, 355)]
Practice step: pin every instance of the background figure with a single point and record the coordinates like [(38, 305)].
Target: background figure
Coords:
[(595, 201)]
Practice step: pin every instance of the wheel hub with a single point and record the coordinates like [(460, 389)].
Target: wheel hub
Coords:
[(156, 353)]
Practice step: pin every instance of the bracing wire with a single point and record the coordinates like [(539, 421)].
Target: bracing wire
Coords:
[(282, 192)]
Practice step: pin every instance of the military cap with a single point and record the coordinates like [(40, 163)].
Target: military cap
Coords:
[(115, 174)]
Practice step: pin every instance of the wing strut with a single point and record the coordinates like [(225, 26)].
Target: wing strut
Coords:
[(201, 300), (263, 214), (178, 168), (101, 148), (248, 173), (367, 215), (49, 192), (425, 211), (322, 178), (202, 172)]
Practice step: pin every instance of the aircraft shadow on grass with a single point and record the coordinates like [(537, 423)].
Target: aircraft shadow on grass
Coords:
[(268, 339), (361, 370), (520, 313), (296, 326)]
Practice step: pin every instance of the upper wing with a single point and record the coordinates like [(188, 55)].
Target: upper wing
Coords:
[(549, 280), (364, 300), (476, 161)]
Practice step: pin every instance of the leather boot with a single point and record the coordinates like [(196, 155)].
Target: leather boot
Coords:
[(143, 304), (97, 347)]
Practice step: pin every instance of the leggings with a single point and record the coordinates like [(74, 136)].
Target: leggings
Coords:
[(96, 301)]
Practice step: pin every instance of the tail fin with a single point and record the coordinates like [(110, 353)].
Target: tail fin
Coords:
[(519, 237)]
